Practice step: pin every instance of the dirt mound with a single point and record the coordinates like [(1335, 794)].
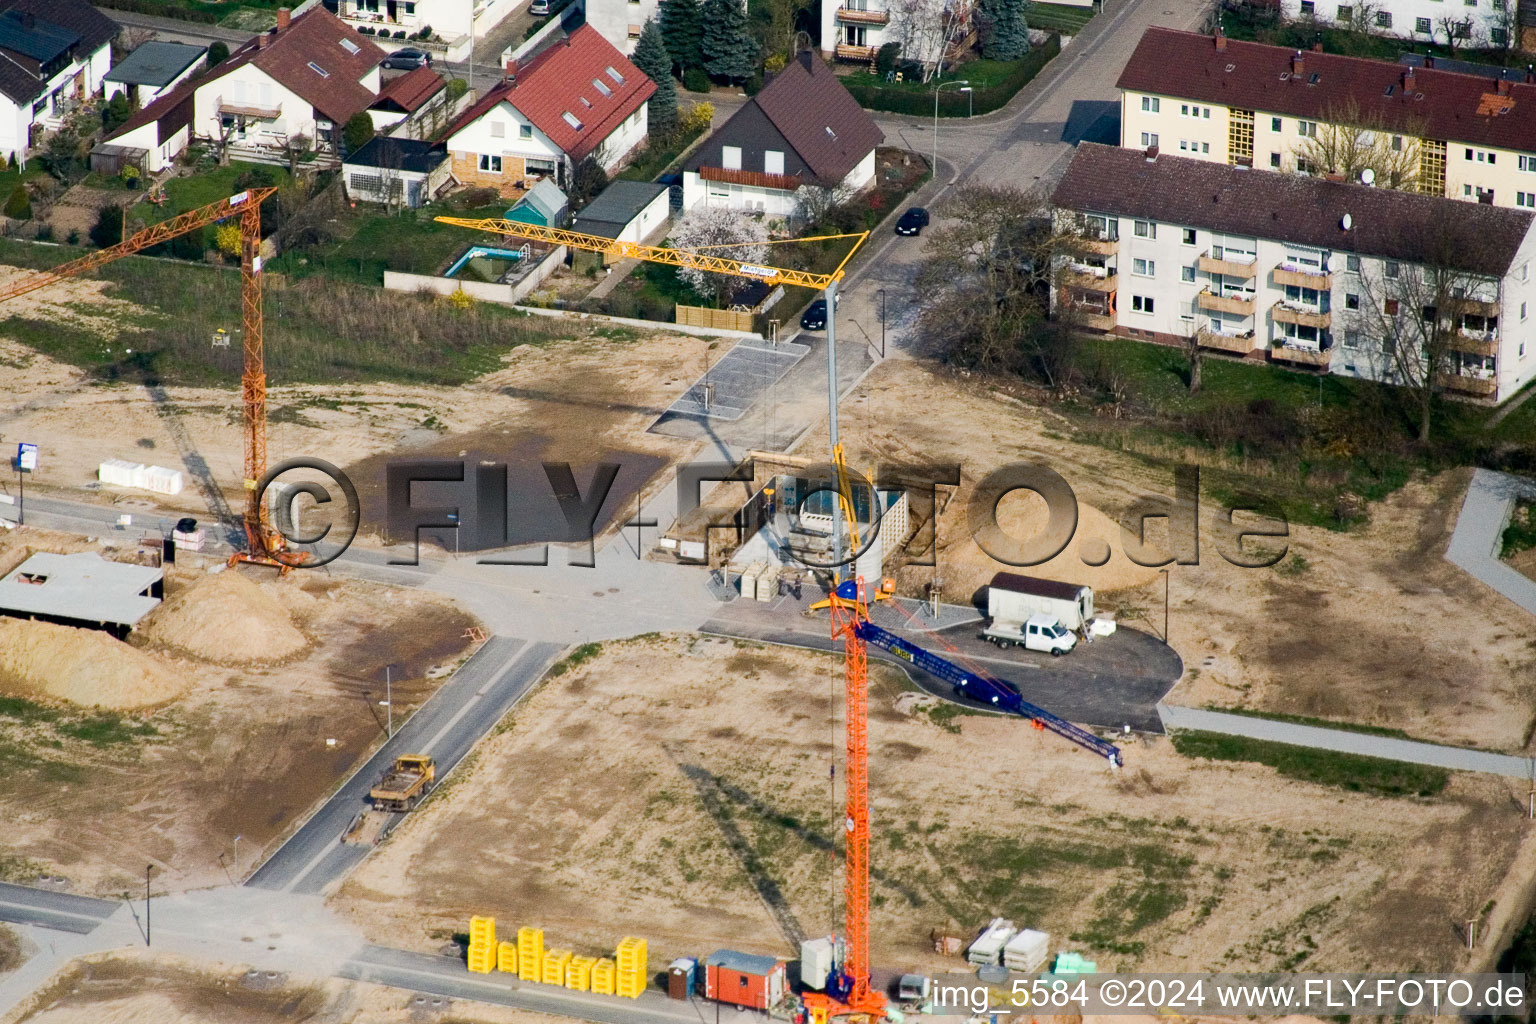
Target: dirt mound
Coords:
[(82, 666), (226, 618)]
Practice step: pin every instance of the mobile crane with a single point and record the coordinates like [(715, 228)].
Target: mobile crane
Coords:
[(264, 545)]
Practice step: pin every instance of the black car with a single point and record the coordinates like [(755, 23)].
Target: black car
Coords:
[(406, 60), (912, 222), (815, 318)]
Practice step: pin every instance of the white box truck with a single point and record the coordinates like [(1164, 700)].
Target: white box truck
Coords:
[(1014, 598)]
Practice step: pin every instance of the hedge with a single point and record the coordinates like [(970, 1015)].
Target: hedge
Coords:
[(952, 102)]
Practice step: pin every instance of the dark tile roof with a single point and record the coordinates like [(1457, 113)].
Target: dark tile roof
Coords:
[(1461, 67), (1254, 76), (1290, 208), (818, 117), (1035, 585), (79, 21), (408, 92), (561, 80), (615, 206), (413, 155), (316, 37), (34, 37), (156, 63)]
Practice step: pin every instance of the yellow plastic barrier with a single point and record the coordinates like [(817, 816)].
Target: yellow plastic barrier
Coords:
[(554, 966), (578, 973), (482, 959), (629, 984), (482, 931), (630, 977), (530, 954), (603, 976), (506, 957)]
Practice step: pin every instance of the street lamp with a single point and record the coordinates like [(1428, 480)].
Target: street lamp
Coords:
[(147, 869), (881, 293), (1166, 577), (965, 86)]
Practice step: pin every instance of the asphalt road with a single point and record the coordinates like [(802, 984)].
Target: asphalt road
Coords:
[(446, 727), (59, 911)]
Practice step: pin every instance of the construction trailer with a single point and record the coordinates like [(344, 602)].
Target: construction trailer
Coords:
[(1012, 598), (741, 979)]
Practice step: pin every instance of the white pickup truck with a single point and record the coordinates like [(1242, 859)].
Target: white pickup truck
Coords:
[(1037, 633)]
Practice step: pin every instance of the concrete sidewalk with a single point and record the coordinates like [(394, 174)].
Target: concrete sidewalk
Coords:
[(1475, 543)]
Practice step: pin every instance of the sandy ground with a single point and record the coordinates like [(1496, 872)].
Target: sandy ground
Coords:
[(140, 989), (1525, 562), (1371, 625), (247, 751), (677, 788)]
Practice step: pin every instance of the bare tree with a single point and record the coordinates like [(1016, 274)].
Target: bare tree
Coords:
[(1456, 30), (1502, 27), (814, 204), (1196, 356), (1350, 140), (1420, 323)]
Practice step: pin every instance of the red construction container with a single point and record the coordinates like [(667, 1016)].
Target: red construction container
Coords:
[(742, 979)]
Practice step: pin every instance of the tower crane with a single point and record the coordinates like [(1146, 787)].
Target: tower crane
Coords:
[(264, 546)]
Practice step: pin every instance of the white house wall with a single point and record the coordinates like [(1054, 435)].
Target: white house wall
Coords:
[(1407, 17), (862, 174), (250, 86), (620, 21), (480, 136), (622, 140), (771, 202)]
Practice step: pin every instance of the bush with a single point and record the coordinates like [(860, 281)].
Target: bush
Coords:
[(425, 33), (19, 205), (74, 237), (698, 117), (696, 80), (457, 87), (885, 59), (45, 232), (953, 103), (218, 53), (226, 239), (358, 130), (115, 113), (108, 230)]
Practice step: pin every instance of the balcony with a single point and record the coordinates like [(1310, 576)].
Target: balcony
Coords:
[(1480, 387), (1090, 279), (249, 110), (1230, 267), (1210, 301), (1478, 343), (1099, 246), (1302, 277), (1472, 307), (1237, 344), (1288, 314), (1097, 321), (1315, 358), (858, 16), (847, 51)]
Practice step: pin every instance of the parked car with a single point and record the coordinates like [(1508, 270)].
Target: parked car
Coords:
[(815, 317), (407, 60), (538, 8), (912, 222)]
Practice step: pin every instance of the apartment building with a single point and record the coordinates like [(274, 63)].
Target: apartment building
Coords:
[(1269, 107), (1301, 271), (1469, 22)]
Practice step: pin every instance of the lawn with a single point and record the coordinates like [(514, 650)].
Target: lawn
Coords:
[(256, 15), (993, 83), (1061, 18), (655, 160), (1520, 534), (371, 241), (1325, 767), (183, 194), (1248, 23)]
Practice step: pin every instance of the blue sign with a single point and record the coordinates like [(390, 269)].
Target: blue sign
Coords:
[(26, 456)]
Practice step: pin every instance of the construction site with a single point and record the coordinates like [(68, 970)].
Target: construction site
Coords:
[(702, 756)]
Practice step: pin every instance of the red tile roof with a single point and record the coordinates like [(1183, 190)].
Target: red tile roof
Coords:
[(316, 37), (1254, 76), (562, 80), (410, 91)]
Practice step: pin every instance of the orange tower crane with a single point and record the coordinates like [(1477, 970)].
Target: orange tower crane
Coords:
[(264, 546)]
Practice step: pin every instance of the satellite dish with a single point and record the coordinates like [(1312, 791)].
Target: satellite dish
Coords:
[(1328, 264), (1367, 177), (1347, 223)]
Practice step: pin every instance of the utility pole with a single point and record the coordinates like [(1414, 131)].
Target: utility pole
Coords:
[(1166, 577), (882, 323), (965, 86), (147, 869), (389, 694)]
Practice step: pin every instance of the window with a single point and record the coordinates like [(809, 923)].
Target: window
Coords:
[(1151, 104), (1145, 229), (1187, 275), (1421, 26), (1144, 268), (1345, 14), (773, 161), (1393, 268), (1352, 263), (1351, 300), (618, 79), (1526, 163), (1308, 8), (1522, 312), (634, 31), (525, 131), (317, 69), (1103, 228), (1389, 307), (572, 120), (1188, 236), (490, 164), (1184, 110), (1351, 339), (1466, 190), (350, 47), (1306, 129), (730, 157), (1274, 124), (1524, 270), (1498, 36), (1148, 140), (1274, 160), (498, 130), (1397, 143), (1527, 199), (1141, 303), (1383, 19), (597, 83)]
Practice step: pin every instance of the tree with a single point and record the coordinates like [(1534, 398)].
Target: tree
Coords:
[(226, 239), (1457, 30), (815, 204), (682, 30), (116, 112), (698, 117), (729, 50), (19, 205), (218, 53), (108, 229), (1350, 140), (587, 180), (984, 285), (1419, 321), (1005, 29), (885, 59), (357, 132), (1196, 356), (742, 238), (62, 154), (651, 57)]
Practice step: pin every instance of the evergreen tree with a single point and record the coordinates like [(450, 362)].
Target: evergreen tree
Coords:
[(1005, 29), (730, 52), (682, 28), (651, 57)]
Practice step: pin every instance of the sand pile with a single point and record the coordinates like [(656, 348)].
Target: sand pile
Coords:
[(1023, 515), (228, 619), (82, 666)]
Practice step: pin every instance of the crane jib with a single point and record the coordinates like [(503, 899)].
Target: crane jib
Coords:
[(986, 689)]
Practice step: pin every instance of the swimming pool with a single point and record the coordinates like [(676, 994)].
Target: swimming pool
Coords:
[(483, 252)]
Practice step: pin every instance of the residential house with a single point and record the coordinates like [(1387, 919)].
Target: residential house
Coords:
[(399, 20), (53, 55), (580, 97), (406, 172), (620, 21), (1488, 23), (626, 211), (153, 136), (803, 129), (854, 30), (1295, 269), (1229, 101), (412, 104), (153, 70)]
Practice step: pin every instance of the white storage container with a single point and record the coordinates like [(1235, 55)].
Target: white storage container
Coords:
[(988, 948), (119, 472), (162, 480), (1027, 951)]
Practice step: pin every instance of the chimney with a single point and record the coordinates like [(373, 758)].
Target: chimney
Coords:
[(1429, 60), (261, 41), (1530, 74), (1506, 87), (283, 17), (512, 70), (1221, 40), (1408, 81), (1151, 154), (1298, 65), (1317, 47)]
